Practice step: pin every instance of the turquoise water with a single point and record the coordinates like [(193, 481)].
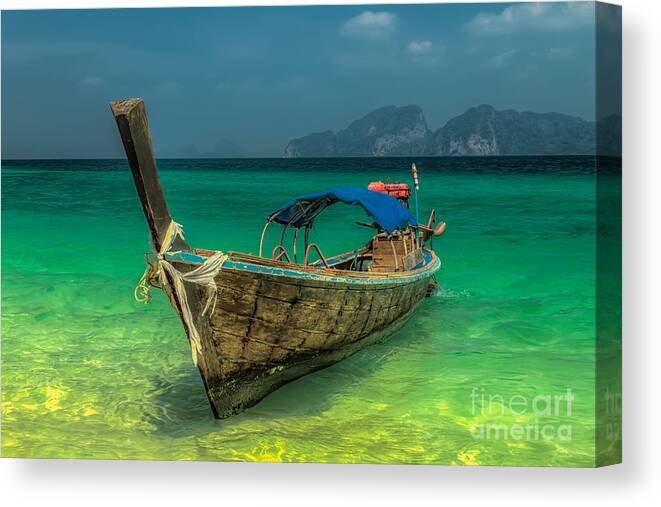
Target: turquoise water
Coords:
[(89, 373)]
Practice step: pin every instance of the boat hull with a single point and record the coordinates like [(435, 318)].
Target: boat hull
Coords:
[(237, 392), (270, 326), (254, 323)]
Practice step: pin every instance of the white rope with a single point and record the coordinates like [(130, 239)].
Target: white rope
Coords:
[(204, 275)]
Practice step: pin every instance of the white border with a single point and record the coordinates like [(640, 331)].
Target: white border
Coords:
[(59, 483)]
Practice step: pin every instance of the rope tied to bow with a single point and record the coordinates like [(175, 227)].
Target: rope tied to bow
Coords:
[(204, 275)]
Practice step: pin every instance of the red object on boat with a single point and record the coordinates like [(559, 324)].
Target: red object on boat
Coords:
[(400, 191)]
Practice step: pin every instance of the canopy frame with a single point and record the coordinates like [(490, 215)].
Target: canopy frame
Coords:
[(387, 213)]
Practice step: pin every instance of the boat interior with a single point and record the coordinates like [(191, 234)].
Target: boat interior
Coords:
[(383, 254)]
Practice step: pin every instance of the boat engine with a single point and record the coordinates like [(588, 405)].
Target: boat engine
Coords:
[(400, 191)]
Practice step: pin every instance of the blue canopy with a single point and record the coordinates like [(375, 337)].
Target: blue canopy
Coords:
[(386, 211)]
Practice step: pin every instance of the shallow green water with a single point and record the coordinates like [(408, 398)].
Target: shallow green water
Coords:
[(89, 373)]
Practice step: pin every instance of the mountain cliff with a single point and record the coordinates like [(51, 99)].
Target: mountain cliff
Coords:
[(387, 132), (484, 131), (321, 144), (401, 131)]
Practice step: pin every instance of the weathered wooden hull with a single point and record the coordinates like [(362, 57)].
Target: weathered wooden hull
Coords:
[(270, 325)]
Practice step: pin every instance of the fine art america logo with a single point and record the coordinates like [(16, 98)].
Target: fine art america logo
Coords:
[(520, 417)]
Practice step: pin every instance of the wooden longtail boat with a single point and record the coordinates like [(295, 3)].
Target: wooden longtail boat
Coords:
[(256, 323)]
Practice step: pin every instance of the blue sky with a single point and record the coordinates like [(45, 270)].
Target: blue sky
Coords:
[(217, 78)]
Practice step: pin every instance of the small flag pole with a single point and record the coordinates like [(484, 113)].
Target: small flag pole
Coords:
[(416, 186)]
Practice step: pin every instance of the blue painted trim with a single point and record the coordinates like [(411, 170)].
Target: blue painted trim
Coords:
[(293, 273)]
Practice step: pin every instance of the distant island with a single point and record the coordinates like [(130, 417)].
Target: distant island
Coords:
[(481, 131)]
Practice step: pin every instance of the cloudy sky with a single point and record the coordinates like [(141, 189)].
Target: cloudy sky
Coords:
[(247, 80)]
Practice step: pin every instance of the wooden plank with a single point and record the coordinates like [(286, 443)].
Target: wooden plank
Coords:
[(133, 128)]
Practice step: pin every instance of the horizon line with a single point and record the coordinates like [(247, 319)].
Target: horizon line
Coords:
[(22, 159)]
